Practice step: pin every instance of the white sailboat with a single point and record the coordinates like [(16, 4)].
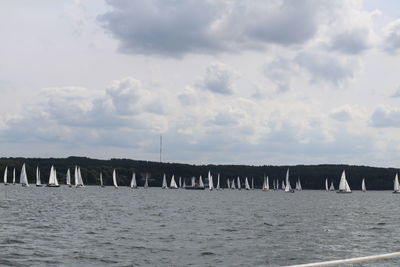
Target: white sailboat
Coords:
[(252, 183), (332, 187), (344, 185), (218, 187), (264, 186), (239, 186), (288, 188), (68, 178), (298, 185), (228, 184), (363, 188), (233, 184), (283, 185), (13, 176), (210, 181), (53, 182), (326, 184), (193, 181), (180, 182), (101, 179), (146, 182), (115, 179), (396, 184), (246, 184), (164, 182), (5, 176), (201, 184), (78, 178), (23, 178), (38, 181), (173, 184), (133, 181)]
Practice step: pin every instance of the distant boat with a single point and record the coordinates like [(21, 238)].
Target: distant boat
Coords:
[(78, 177), (396, 184), (146, 182), (68, 178), (13, 176), (53, 182), (180, 182), (133, 181), (265, 186), (252, 183), (101, 179), (115, 179), (194, 186), (326, 184), (228, 184), (298, 185), (201, 184), (288, 188), (363, 185), (239, 186), (344, 185), (23, 178), (193, 181), (38, 181), (283, 185), (233, 184), (173, 184), (218, 187), (332, 187), (164, 182), (5, 176), (246, 184), (210, 181)]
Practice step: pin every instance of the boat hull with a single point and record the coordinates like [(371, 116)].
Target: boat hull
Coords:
[(343, 192), (52, 185), (194, 188)]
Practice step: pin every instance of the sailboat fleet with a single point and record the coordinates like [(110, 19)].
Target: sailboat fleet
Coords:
[(233, 183)]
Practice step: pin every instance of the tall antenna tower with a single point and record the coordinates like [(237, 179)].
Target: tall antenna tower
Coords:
[(160, 146)]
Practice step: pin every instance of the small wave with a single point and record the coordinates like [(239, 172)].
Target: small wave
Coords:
[(9, 241), (207, 253)]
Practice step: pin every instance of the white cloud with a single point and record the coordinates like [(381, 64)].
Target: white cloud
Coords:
[(219, 79), (346, 113), (392, 36)]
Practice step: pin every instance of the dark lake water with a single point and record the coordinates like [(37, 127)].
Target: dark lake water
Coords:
[(95, 226)]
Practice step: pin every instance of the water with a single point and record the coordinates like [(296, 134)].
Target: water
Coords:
[(95, 226)]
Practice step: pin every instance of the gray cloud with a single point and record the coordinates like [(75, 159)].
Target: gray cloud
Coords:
[(354, 41), (280, 70), (392, 37), (175, 28), (386, 117), (219, 79)]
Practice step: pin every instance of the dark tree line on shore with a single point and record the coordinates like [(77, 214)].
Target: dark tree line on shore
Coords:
[(311, 176)]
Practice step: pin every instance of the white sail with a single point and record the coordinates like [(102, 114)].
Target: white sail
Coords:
[(133, 181), (252, 183), (228, 184), (210, 181), (173, 184), (115, 179), (326, 184), (14, 176), (76, 176), (5, 175), (288, 188), (23, 179), (101, 179), (246, 184), (267, 184), (38, 182), (51, 177), (264, 184), (201, 184), (80, 180), (343, 185), (68, 178), (396, 184), (55, 178), (363, 185), (239, 186), (184, 183), (193, 181), (164, 182), (299, 185), (146, 182), (332, 187), (283, 185), (180, 182), (233, 184), (218, 187)]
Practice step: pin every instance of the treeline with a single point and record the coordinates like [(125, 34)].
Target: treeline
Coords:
[(311, 176)]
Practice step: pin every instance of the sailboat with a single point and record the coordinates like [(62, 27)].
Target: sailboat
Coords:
[(298, 185), (201, 184), (218, 187), (133, 181), (326, 184), (239, 186), (68, 178), (288, 188), (180, 182), (228, 184), (23, 178), (233, 184), (252, 183), (210, 181), (283, 185), (363, 185), (246, 184), (78, 177), (115, 179), (13, 176), (146, 182), (332, 187), (38, 182), (396, 185), (193, 181), (101, 179), (173, 184), (164, 182), (5, 176), (53, 182), (344, 185)]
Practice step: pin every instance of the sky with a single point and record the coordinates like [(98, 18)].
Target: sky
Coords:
[(223, 81)]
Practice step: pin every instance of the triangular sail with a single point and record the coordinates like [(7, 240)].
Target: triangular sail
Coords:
[(173, 183), (184, 183), (332, 187), (299, 184), (133, 181), (76, 178), (115, 179), (101, 179), (267, 184), (252, 183), (193, 181), (23, 178), (228, 184), (287, 187), (343, 185), (5, 175), (264, 186), (79, 178), (164, 182), (201, 184), (146, 182), (38, 182), (68, 178), (180, 182), (51, 177), (210, 181), (14, 176), (283, 185), (246, 184), (363, 185), (239, 186), (326, 184), (218, 182), (396, 184), (233, 184)]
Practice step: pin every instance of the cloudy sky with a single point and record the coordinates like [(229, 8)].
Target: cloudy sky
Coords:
[(241, 82)]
